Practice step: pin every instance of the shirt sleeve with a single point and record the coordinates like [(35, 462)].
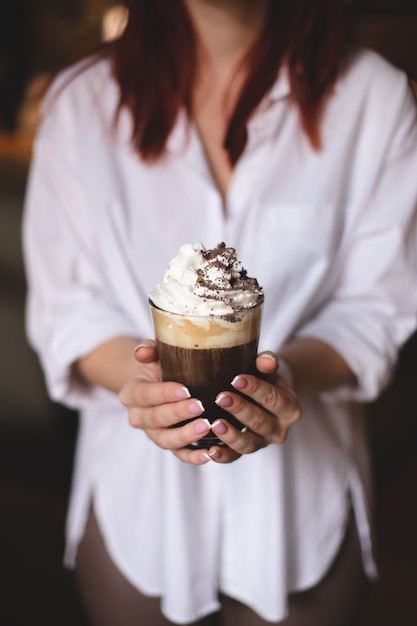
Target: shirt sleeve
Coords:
[(69, 308), (372, 311)]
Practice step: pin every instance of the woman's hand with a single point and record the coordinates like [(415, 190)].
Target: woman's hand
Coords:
[(267, 421), (154, 406)]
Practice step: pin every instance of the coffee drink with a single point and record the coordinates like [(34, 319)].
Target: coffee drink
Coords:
[(206, 362), (206, 315)]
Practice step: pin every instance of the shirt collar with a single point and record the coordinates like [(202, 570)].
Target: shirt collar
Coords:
[(180, 136), (281, 88)]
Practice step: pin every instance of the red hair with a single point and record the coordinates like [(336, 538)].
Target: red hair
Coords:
[(154, 66)]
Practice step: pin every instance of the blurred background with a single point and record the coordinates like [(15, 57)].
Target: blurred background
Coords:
[(37, 437)]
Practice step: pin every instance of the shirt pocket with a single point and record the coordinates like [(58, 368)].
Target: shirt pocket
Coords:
[(301, 228), (298, 241)]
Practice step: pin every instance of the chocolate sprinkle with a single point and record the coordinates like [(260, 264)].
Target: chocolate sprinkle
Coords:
[(230, 276)]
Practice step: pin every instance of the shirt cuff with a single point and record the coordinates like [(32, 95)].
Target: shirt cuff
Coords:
[(76, 338), (371, 363)]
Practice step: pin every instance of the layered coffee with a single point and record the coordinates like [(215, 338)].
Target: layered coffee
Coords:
[(181, 364), (206, 314)]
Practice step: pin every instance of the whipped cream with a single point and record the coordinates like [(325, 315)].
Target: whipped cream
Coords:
[(205, 282)]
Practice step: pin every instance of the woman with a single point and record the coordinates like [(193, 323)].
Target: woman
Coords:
[(251, 122)]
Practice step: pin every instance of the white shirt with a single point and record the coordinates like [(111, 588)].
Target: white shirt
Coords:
[(331, 237)]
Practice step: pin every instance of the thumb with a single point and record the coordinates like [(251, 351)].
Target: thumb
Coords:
[(267, 362), (146, 351)]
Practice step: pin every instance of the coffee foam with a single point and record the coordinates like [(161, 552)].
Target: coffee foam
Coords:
[(197, 332)]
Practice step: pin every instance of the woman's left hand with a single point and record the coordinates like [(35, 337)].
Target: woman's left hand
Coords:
[(268, 421)]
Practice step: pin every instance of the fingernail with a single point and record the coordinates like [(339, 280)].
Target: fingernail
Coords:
[(201, 427), (145, 344), (219, 427), (182, 393), (204, 458), (267, 355), (224, 400), (195, 407), (239, 383), (214, 454)]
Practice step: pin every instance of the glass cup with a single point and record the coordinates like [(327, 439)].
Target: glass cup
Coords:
[(205, 353)]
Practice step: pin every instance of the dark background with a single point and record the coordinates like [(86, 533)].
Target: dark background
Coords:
[(37, 437)]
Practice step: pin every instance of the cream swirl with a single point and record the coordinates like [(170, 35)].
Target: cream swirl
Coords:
[(206, 282)]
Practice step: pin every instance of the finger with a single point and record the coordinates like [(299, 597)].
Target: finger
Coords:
[(179, 440), (259, 420), (274, 370), (195, 457), (266, 362), (217, 454), (182, 436), (278, 399), (146, 352), (238, 442), (146, 394), (220, 454), (165, 415)]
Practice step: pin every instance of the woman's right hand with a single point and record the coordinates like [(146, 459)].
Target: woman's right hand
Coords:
[(155, 406)]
